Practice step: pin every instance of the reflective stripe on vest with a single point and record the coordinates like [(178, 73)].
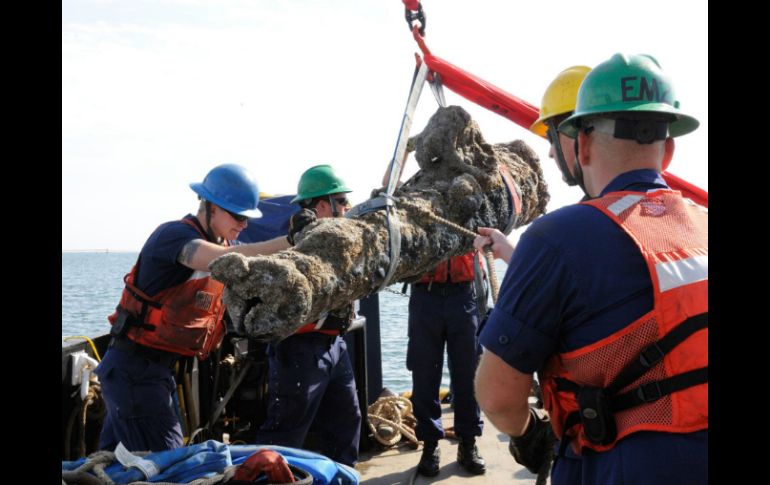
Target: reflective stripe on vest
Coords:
[(672, 236), (184, 319)]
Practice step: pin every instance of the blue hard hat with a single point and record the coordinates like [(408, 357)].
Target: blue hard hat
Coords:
[(232, 188)]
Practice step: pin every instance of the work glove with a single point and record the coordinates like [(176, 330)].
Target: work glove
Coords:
[(298, 222), (534, 449), (342, 317)]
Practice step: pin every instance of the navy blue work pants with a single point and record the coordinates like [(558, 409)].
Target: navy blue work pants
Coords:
[(436, 318), (141, 410), (311, 381), (639, 459)]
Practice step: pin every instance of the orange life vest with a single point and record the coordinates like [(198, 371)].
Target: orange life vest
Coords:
[(653, 374), (185, 319), (457, 269)]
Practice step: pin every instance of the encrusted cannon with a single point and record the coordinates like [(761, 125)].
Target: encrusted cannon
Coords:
[(336, 260)]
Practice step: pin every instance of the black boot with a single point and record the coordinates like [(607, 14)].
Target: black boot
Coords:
[(468, 457), (429, 460)]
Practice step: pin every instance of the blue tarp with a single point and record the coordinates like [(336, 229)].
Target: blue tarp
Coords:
[(274, 222), (181, 465), (210, 458)]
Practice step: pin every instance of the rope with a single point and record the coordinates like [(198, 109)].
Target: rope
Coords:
[(93, 396), (393, 411), (492, 273), (96, 463), (462, 230)]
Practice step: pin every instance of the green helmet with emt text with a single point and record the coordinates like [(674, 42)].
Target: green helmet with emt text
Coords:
[(633, 85), (317, 181)]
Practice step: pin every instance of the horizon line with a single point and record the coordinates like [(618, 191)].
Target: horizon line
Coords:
[(100, 250)]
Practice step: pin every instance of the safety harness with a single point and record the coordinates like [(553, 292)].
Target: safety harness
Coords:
[(598, 406), (385, 201), (435, 71)]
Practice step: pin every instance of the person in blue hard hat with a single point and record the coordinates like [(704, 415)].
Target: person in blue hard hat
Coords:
[(170, 308), (311, 380), (607, 300)]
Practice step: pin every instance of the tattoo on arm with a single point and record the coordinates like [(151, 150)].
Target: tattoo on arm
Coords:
[(188, 252)]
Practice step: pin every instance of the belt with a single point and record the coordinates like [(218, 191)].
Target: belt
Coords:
[(445, 289), (161, 357)]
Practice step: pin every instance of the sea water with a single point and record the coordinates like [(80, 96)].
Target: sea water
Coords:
[(92, 283)]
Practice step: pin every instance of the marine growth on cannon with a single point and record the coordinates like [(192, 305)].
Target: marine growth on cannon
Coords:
[(337, 260)]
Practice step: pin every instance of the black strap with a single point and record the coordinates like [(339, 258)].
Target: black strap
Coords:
[(563, 384), (139, 321), (573, 419), (553, 136), (127, 319), (144, 301), (643, 131), (479, 288), (197, 224), (652, 391), (648, 357), (646, 393), (654, 353)]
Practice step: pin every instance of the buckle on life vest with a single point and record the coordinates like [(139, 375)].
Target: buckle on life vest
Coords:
[(596, 415), (651, 355), (122, 322), (649, 392)]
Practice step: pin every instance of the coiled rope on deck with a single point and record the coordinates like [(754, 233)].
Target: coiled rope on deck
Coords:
[(392, 411)]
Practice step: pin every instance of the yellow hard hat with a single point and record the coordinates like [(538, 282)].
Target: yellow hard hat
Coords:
[(560, 97)]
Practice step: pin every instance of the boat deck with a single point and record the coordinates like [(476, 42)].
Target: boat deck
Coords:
[(398, 465)]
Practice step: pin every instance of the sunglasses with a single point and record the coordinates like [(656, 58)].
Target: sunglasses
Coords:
[(238, 218), (342, 201)]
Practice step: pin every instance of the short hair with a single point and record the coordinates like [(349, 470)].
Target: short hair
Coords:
[(644, 128), (312, 202)]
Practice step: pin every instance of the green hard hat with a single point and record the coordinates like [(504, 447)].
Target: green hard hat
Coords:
[(317, 181), (628, 84)]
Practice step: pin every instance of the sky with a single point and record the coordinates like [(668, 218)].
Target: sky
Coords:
[(155, 93)]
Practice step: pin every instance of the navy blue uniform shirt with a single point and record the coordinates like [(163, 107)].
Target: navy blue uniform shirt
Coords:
[(576, 277), (158, 265)]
